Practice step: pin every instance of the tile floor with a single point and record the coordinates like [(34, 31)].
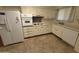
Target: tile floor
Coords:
[(41, 44)]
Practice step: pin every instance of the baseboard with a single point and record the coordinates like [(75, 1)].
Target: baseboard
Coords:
[(13, 43), (37, 35)]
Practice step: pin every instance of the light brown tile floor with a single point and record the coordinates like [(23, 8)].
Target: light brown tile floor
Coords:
[(40, 44)]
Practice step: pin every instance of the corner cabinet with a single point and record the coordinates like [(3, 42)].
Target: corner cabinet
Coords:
[(66, 34), (57, 30)]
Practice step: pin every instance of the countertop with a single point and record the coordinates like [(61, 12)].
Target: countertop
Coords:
[(72, 27)]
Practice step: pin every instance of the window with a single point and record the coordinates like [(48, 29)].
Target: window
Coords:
[(64, 13)]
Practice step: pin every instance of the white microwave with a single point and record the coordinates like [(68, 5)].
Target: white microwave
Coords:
[(27, 20)]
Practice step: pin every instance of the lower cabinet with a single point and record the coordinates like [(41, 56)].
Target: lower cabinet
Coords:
[(77, 45), (67, 35), (70, 36), (28, 31), (57, 30), (36, 30)]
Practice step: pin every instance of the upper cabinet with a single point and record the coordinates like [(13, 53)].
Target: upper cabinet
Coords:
[(66, 14)]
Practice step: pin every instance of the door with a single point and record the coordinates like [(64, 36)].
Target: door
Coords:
[(6, 36), (14, 26), (5, 32)]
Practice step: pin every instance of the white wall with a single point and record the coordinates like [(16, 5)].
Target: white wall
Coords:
[(9, 8), (47, 12)]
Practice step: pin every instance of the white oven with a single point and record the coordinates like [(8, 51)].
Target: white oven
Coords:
[(27, 19)]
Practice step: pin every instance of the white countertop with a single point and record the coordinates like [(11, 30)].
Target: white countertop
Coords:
[(72, 27)]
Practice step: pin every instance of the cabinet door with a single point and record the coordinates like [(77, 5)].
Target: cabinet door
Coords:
[(77, 45), (40, 30), (36, 30), (57, 30), (44, 29), (54, 29), (28, 31), (70, 36)]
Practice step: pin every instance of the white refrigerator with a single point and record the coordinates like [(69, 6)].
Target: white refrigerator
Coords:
[(11, 27)]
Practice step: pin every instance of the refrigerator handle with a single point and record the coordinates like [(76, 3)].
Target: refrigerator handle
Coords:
[(7, 29), (17, 19), (7, 26)]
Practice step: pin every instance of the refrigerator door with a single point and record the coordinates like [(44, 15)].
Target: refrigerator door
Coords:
[(6, 36), (14, 26), (2, 18), (4, 31)]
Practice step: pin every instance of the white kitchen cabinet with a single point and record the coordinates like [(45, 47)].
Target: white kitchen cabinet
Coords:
[(44, 29), (28, 31), (36, 30), (69, 36), (58, 30), (31, 31), (66, 34), (77, 45)]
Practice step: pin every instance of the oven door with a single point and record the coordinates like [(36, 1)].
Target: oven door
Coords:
[(27, 21)]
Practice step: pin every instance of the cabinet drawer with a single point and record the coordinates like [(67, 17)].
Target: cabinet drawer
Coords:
[(28, 34), (27, 31), (27, 28)]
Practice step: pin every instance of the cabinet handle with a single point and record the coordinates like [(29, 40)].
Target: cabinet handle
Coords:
[(7, 27)]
